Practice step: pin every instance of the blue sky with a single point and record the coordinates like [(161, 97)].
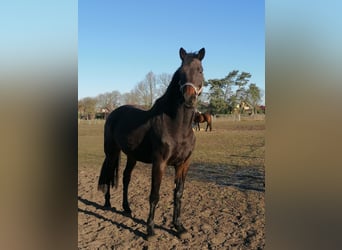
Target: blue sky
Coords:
[(119, 42)]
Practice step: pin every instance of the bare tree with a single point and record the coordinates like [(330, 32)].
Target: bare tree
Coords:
[(109, 100), (164, 80), (81, 108), (89, 106), (151, 83), (142, 94), (146, 90), (130, 98)]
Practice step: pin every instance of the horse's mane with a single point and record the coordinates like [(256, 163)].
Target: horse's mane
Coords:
[(171, 98)]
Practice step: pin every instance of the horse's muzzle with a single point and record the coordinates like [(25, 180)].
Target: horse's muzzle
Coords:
[(190, 93), (190, 98)]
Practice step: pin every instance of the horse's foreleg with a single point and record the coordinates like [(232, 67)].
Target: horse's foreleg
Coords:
[(178, 193), (157, 174), (126, 179), (181, 172)]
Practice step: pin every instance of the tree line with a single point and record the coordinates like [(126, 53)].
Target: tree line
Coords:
[(143, 94), (229, 93), (223, 96)]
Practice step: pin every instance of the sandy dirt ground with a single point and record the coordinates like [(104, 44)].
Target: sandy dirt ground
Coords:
[(230, 216)]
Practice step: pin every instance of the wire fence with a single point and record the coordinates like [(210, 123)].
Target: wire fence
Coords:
[(228, 117), (241, 117)]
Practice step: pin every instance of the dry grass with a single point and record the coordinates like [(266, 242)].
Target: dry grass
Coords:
[(232, 148)]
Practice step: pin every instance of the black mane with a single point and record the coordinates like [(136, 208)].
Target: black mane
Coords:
[(171, 98)]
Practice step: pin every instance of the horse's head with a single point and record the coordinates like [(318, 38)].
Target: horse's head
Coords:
[(191, 76)]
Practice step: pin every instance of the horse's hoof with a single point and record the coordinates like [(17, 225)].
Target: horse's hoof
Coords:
[(126, 208), (127, 212), (107, 206), (180, 231), (150, 233)]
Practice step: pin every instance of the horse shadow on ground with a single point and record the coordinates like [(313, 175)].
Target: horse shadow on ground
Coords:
[(121, 225), (242, 177)]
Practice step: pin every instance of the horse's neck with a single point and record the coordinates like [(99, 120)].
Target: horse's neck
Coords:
[(184, 116), (172, 104)]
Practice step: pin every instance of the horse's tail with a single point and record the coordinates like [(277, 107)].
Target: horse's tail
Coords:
[(109, 175)]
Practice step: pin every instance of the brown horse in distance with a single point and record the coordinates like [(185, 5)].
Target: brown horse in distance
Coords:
[(162, 136), (200, 118)]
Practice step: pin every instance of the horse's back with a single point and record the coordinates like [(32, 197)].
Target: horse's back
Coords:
[(207, 117), (127, 117), (128, 127)]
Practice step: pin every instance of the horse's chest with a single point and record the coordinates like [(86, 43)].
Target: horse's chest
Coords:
[(181, 150)]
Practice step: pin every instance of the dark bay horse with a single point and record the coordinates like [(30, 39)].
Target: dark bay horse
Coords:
[(161, 136), (200, 118)]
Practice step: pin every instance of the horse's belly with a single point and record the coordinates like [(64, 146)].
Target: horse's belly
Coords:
[(140, 150), (143, 155)]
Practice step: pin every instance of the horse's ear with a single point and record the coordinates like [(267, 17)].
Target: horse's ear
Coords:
[(182, 53), (201, 54)]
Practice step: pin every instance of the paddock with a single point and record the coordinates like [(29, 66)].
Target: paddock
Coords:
[(224, 196)]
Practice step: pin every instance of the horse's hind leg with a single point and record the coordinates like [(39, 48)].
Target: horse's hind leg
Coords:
[(109, 174), (208, 126), (126, 179), (107, 198)]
